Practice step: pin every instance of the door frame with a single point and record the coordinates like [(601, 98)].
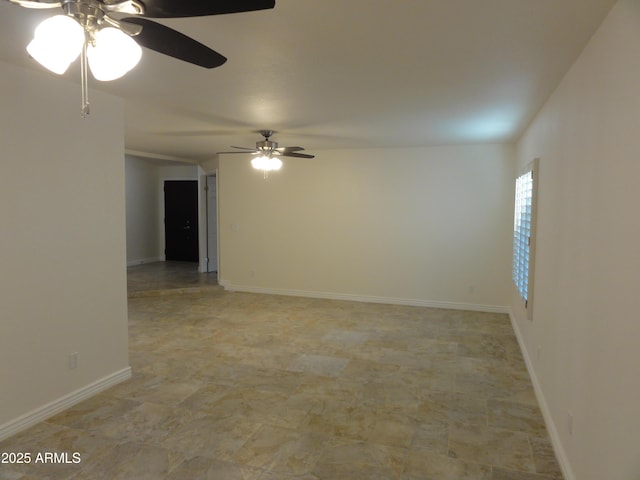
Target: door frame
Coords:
[(210, 217), (161, 211), (201, 178), (163, 205)]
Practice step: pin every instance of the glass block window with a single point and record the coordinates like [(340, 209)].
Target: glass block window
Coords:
[(523, 223)]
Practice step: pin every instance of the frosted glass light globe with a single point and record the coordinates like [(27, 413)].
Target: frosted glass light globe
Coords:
[(113, 55), (57, 42), (267, 164)]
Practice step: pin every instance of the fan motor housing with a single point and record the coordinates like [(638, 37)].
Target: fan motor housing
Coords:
[(87, 12), (266, 145)]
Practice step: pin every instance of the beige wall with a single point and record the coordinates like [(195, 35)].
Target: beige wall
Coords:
[(145, 204), (62, 241), (422, 226), (587, 261), (145, 177), (143, 200)]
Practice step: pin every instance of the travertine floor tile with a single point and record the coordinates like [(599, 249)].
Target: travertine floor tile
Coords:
[(433, 437), (238, 386), (489, 446), (347, 459), (544, 458), (515, 416), (202, 468), (453, 409), (501, 474), (319, 365), (210, 437), (425, 465), (131, 460), (281, 450)]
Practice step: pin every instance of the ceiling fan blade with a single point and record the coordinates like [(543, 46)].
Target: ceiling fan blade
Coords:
[(170, 42), (128, 28), (289, 149), (248, 151), (133, 7), (297, 155), (251, 149), (199, 8)]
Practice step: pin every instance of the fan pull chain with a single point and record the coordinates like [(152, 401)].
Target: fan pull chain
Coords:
[(84, 79)]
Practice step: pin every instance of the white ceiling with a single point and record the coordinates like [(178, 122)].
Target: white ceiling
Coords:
[(345, 74)]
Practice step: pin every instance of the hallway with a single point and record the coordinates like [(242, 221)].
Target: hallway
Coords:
[(160, 278)]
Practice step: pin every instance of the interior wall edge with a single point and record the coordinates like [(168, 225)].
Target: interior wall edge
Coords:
[(142, 261), (558, 449), (411, 302)]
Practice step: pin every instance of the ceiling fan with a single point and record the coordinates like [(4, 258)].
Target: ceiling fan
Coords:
[(108, 41), (267, 147), (268, 152)]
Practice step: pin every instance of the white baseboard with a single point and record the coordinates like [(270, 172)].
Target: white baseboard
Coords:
[(50, 409), (142, 261), (364, 298), (558, 449)]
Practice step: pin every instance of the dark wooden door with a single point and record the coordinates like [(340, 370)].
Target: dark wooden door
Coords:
[(181, 220)]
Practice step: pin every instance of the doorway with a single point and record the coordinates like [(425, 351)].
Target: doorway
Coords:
[(181, 220)]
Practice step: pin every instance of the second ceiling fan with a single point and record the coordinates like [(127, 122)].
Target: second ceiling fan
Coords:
[(268, 148), (267, 153)]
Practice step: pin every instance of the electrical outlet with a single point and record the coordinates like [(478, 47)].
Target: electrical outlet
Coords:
[(539, 353), (73, 360), (570, 423)]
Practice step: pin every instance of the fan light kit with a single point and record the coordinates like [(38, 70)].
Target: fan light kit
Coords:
[(266, 163), (268, 152), (110, 47), (59, 41)]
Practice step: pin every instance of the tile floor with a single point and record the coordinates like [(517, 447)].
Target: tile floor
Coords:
[(160, 278), (242, 386)]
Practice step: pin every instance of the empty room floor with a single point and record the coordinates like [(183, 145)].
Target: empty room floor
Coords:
[(244, 386), (160, 278)]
